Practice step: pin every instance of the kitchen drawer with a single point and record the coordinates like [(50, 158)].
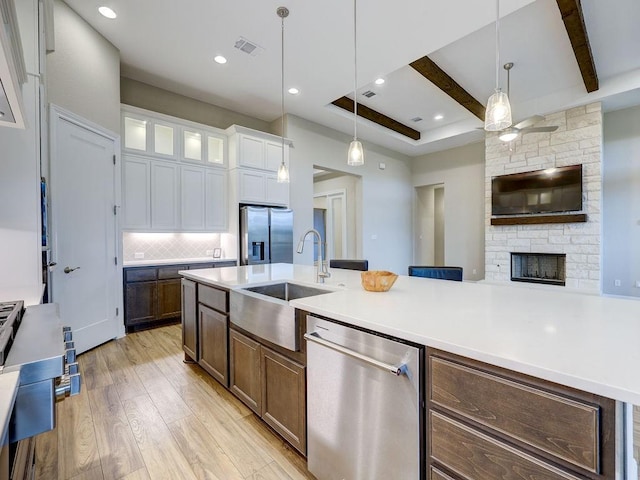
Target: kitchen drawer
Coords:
[(170, 272), (196, 266), (214, 298), (473, 455), (436, 474), (230, 263), (563, 427), (139, 274)]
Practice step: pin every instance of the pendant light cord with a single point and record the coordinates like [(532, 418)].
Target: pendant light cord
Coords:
[(282, 87), (497, 44), (355, 76)]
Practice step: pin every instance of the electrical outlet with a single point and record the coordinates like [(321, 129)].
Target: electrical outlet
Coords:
[(616, 283), (475, 272), (638, 283), (209, 253), (138, 255), (374, 237)]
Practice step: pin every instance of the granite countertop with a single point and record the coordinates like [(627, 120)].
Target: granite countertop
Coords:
[(583, 341), (175, 261)]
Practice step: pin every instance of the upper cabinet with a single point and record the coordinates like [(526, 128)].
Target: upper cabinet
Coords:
[(174, 174), (161, 136), (13, 73), (254, 159)]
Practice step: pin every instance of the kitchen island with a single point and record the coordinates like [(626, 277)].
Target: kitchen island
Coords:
[(502, 335)]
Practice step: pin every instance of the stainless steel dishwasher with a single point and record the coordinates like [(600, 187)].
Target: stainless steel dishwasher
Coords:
[(364, 404)]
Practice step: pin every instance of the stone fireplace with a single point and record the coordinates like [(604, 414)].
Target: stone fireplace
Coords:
[(578, 140), (547, 268)]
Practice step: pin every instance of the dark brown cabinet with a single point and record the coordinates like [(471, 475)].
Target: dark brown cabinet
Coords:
[(244, 359), (271, 385), (141, 303), (189, 319), (169, 299), (213, 332), (485, 422)]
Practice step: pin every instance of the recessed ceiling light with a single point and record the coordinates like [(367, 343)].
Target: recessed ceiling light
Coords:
[(220, 59), (379, 81), (438, 117), (293, 91), (107, 12)]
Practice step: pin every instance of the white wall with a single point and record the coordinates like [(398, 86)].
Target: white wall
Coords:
[(83, 73), (621, 202), (461, 170), (20, 244), (386, 194)]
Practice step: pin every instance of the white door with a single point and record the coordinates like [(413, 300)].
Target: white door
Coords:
[(83, 199)]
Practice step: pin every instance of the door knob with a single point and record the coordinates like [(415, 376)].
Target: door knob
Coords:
[(69, 269)]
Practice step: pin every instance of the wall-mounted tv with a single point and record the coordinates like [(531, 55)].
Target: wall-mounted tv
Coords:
[(542, 191)]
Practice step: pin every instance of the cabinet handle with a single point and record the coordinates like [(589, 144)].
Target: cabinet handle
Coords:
[(397, 370)]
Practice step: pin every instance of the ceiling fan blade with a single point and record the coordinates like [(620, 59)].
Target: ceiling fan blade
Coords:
[(527, 122), (550, 128)]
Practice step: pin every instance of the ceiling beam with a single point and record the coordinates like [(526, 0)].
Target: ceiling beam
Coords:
[(432, 72), (365, 112), (571, 12)]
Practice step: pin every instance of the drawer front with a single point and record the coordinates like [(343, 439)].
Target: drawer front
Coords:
[(139, 274), (169, 273), (436, 474), (213, 298), (197, 266), (475, 456), (562, 427)]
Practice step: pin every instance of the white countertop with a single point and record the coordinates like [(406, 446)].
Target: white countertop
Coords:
[(583, 341), (9, 390), (174, 261)]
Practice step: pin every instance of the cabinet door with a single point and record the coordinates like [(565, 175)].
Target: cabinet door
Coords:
[(213, 343), (283, 397), (141, 300), (244, 366), (192, 196), (277, 193), (252, 186), (273, 155), (169, 305), (251, 152), (136, 193), (189, 319), (215, 201), (164, 195)]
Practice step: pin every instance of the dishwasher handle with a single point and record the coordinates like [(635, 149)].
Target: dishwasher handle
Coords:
[(397, 370)]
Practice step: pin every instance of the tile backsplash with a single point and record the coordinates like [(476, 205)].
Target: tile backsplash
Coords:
[(164, 246)]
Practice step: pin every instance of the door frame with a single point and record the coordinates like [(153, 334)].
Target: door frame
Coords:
[(339, 193), (57, 113)]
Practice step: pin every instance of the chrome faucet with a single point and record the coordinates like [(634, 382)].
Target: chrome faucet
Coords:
[(322, 270)]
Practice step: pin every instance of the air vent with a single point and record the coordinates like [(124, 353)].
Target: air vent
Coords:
[(248, 47), (368, 93), (416, 119)]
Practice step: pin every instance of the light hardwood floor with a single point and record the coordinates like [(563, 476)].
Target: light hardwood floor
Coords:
[(144, 414)]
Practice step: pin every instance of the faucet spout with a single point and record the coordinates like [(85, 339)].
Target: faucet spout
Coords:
[(322, 271)]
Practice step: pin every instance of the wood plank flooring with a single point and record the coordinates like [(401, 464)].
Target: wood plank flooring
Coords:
[(144, 414)]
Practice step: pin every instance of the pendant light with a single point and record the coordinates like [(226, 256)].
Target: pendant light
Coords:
[(355, 156), (498, 112), (283, 171)]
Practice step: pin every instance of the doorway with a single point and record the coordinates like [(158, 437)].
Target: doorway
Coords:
[(336, 202), (429, 245)]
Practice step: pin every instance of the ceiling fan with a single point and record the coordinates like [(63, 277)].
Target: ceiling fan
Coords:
[(526, 125)]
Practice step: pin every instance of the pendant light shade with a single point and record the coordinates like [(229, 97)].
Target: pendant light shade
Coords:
[(355, 155), (283, 171), (498, 112)]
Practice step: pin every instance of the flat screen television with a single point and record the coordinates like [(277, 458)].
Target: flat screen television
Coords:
[(552, 190)]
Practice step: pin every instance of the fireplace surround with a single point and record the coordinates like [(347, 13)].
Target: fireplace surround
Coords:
[(547, 268)]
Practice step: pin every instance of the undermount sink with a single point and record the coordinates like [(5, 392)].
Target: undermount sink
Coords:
[(265, 311), (287, 291)]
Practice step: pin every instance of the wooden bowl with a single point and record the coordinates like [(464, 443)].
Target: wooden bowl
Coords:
[(378, 280)]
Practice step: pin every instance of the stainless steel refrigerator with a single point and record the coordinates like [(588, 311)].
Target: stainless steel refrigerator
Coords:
[(266, 235)]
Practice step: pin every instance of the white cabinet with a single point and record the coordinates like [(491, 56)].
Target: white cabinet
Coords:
[(136, 191), (256, 150), (273, 155), (250, 152), (261, 188), (164, 196), (276, 193), (203, 199)]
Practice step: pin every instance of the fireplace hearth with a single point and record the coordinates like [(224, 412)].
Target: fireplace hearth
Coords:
[(547, 268)]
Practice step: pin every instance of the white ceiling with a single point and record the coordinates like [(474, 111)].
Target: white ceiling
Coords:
[(171, 45)]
